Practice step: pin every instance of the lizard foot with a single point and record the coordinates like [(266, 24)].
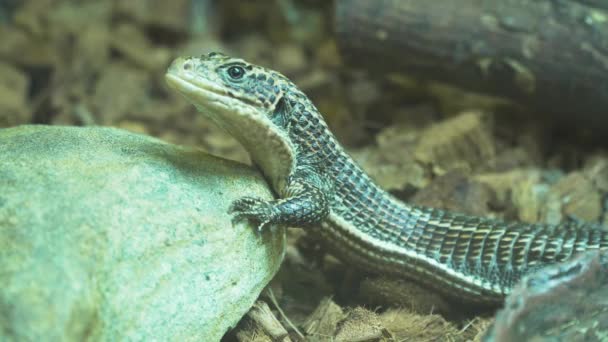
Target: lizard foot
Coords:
[(253, 208)]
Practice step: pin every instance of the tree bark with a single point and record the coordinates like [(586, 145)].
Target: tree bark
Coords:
[(548, 54)]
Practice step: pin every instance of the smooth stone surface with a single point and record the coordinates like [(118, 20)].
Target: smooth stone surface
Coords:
[(110, 235), (567, 301)]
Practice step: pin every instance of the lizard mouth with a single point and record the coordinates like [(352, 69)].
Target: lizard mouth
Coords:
[(209, 95), (204, 92)]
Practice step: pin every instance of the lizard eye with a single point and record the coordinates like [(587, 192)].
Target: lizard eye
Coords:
[(236, 72)]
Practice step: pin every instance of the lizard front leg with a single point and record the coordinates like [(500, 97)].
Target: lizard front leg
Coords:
[(307, 203)]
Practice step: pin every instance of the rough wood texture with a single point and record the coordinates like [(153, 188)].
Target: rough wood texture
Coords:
[(552, 55)]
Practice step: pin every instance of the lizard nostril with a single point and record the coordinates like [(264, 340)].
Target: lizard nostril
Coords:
[(187, 66)]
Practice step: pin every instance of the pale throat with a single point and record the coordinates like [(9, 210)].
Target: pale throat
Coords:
[(268, 146)]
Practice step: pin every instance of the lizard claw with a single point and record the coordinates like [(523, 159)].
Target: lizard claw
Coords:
[(254, 209)]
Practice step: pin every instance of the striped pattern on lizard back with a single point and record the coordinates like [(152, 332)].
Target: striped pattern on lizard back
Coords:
[(477, 259)]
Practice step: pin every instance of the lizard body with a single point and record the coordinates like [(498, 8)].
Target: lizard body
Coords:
[(472, 258)]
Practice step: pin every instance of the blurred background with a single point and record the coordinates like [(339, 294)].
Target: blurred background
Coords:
[(103, 62), (492, 110)]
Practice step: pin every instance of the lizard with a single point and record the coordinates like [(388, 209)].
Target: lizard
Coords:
[(318, 184)]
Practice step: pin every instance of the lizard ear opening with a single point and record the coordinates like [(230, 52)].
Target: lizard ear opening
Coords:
[(279, 115)]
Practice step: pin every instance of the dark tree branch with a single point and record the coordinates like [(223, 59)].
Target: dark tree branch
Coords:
[(549, 54)]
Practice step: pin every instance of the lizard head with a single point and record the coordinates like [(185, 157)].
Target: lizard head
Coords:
[(239, 84), (244, 99)]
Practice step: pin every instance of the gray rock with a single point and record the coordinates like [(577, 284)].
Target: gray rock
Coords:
[(563, 302), (109, 235)]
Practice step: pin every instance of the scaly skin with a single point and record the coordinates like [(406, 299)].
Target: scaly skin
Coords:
[(466, 257)]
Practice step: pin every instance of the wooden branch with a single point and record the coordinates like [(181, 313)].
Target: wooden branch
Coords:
[(549, 54)]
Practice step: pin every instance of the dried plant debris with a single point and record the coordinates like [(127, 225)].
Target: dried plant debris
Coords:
[(330, 322), (462, 141), (404, 325), (456, 192), (168, 15), (391, 161), (534, 195), (264, 326), (13, 95), (360, 325), (520, 193), (389, 174), (323, 322), (388, 292), (579, 199), (596, 169)]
